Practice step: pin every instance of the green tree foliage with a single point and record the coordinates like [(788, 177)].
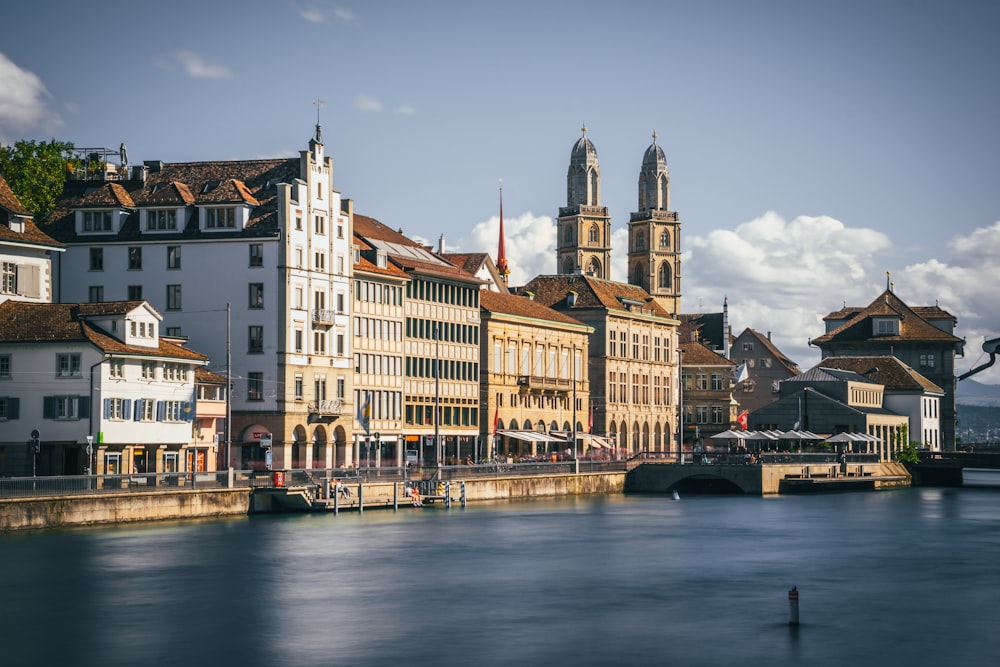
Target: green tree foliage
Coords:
[(36, 172)]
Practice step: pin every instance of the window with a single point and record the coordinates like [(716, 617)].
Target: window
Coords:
[(161, 220), (340, 302), (68, 365), (340, 344), (255, 339), (172, 411), (717, 382), (135, 292), (255, 386), (319, 342), (319, 261), (256, 254), (97, 221), (173, 257), (717, 414), (341, 387), (97, 259), (95, 293), (298, 340), (665, 239), (175, 372), (748, 347), (116, 369), (115, 408), (765, 362), (594, 234), (149, 370), (298, 222), (5, 367), (256, 295), (701, 414), (886, 327), (173, 297), (113, 464), (174, 332), (221, 218), (134, 259), (9, 408), (319, 225), (927, 360), (298, 387)]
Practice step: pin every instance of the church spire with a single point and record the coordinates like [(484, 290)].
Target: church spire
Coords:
[(502, 250)]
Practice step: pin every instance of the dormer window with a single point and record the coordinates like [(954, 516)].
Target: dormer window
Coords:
[(97, 221), (886, 326), (381, 260), (161, 220), (221, 218)]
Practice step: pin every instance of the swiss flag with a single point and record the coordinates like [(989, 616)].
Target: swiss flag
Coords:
[(496, 420), (743, 419)]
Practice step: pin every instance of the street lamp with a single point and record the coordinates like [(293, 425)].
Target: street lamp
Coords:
[(35, 447), (576, 456), (90, 452)]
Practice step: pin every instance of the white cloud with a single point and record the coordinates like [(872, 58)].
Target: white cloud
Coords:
[(405, 110), (964, 284), (312, 15), (530, 242), (367, 104), (23, 102), (344, 14), (196, 67)]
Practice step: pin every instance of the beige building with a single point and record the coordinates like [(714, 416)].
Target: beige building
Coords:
[(379, 319), (632, 361), (535, 389), (440, 347), (707, 398)]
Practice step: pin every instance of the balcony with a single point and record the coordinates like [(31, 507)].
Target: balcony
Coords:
[(538, 383), (325, 411), (324, 318)]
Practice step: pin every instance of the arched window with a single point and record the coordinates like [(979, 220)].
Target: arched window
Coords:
[(640, 240), (665, 239), (595, 268), (568, 266), (638, 275), (594, 235), (663, 278), (568, 235)]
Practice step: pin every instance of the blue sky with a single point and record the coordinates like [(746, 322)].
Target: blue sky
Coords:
[(812, 146)]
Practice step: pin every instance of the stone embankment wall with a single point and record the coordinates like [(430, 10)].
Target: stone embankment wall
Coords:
[(59, 511)]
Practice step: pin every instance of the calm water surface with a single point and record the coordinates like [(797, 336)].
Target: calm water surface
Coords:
[(909, 577)]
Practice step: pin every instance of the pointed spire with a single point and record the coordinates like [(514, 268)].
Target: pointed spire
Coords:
[(888, 285), (319, 132), (502, 250)]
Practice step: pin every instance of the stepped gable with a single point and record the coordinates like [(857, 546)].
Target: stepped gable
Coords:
[(251, 182), (592, 293), (509, 304), (25, 322), (885, 370), (858, 326)]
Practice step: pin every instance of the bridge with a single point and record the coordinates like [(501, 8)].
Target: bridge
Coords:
[(947, 468), (805, 473)]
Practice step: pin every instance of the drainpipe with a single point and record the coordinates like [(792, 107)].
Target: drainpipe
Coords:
[(90, 417)]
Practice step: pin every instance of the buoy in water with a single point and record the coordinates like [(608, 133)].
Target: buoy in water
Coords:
[(793, 606)]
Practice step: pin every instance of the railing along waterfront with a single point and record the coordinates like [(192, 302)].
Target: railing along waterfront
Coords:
[(71, 485)]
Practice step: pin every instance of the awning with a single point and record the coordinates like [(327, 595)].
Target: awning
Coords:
[(594, 440), (531, 436), (730, 435)]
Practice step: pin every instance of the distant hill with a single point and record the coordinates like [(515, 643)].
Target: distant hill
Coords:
[(970, 392)]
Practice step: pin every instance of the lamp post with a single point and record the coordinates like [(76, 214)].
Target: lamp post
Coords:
[(437, 395), (680, 404), (35, 447), (576, 456), (90, 452)]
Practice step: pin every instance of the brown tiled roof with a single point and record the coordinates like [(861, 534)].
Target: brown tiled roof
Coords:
[(32, 234), (497, 302), (371, 228), (191, 183), (469, 262), (698, 354), (591, 293), (24, 322), (204, 376), (859, 327), (108, 195), (885, 370), (9, 200)]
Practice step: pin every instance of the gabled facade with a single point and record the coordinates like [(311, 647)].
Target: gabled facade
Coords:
[(535, 389), (25, 253), (70, 372), (707, 396), (920, 337), (766, 368), (246, 258), (633, 366), (480, 265), (440, 347)]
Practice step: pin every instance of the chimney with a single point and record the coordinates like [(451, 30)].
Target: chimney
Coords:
[(769, 336), (441, 244)]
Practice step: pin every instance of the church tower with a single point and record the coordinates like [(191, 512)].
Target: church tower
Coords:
[(654, 234), (583, 243)]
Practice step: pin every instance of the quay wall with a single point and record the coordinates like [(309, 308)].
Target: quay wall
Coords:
[(82, 510)]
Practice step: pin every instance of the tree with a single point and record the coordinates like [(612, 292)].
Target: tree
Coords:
[(36, 172)]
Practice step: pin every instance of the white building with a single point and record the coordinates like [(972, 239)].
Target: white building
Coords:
[(25, 253), (268, 239), (72, 374)]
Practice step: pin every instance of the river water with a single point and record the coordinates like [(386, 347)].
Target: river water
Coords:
[(907, 577)]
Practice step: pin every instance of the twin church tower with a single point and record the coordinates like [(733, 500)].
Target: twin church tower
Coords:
[(583, 244)]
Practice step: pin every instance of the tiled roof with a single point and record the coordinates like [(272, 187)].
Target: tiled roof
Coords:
[(108, 195), (32, 234), (373, 229), (25, 322), (469, 262), (421, 260), (702, 327), (822, 374), (204, 376), (496, 302), (253, 182), (591, 293), (885, 370), (858, 327), (9, 200), (698, 354)]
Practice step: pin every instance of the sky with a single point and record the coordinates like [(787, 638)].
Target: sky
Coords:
[(813, 147)]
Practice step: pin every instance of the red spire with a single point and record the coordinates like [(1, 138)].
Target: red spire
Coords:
[(502, 251)]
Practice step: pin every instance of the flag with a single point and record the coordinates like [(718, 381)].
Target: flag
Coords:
[(365, 414), (743, 419), (496, 421), (742, 373), (590, 420)]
